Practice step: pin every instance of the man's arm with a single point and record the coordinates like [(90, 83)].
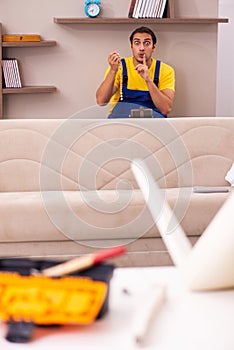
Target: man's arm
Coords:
[(107, 88), (162, 99)]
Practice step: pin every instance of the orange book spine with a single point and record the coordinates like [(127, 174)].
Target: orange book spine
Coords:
[(21, 37)]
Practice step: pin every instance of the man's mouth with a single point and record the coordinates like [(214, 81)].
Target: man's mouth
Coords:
[(141, 56)]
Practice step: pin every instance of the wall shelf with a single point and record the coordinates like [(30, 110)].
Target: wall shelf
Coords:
[(4, 45), (103, 20), (29, 90), (42, 43)]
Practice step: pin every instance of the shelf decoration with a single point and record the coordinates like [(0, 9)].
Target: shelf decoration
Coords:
[(92, 8)]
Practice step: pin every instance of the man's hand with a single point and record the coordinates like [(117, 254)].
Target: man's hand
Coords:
[(114, 61), (143, 70), (107, 88)]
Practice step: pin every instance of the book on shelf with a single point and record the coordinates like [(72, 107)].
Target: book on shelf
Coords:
[(3, 80), (20, 37), (142, 9), (131, 8), (159, 4), (11, 74), (147, 2), (137, 8), (155, 9), (147, 8), (162, 8)]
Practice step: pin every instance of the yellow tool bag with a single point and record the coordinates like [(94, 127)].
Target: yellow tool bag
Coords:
[(28, 300)]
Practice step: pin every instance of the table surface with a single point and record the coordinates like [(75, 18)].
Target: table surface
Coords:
[(186, 321)]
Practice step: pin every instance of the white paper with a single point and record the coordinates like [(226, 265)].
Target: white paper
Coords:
[(230, 175)]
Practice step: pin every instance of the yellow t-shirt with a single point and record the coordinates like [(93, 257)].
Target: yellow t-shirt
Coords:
[(136, 82)]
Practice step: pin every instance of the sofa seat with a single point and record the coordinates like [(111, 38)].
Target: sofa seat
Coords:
[(84, 217)]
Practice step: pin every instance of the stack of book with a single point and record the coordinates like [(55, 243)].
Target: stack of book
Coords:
[(147, 8), (11, 75)]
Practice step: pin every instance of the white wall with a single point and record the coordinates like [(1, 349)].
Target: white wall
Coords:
[(225, 67), (78, 62)]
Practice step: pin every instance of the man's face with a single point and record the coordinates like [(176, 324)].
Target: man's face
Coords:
[(142, 44)]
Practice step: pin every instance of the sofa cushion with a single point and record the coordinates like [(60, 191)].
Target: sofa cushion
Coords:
[(77, 154)]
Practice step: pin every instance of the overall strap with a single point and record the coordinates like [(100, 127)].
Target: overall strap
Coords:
[(156, 73), (125, 73)]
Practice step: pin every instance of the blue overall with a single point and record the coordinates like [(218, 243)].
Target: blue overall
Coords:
[(134, 99)]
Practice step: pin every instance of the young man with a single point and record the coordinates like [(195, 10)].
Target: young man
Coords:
[(138, 81)]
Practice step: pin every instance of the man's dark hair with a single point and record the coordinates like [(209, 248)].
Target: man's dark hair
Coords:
[(144, 30)]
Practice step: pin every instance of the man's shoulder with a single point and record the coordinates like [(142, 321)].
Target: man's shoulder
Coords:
[(166, 66)]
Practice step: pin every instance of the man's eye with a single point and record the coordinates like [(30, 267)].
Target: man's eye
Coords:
[(136, 42), (147, 43)]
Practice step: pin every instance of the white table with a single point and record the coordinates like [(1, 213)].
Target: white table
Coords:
[(187, 321)]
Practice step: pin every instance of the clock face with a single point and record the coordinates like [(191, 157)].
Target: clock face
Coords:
[(93, 10)]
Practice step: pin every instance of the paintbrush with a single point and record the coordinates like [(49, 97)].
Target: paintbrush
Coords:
[(83, 262)]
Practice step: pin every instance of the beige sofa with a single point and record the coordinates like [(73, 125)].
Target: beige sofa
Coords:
[(67, 188)]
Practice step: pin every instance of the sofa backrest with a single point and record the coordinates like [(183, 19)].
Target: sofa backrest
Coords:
[(79, 154)]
